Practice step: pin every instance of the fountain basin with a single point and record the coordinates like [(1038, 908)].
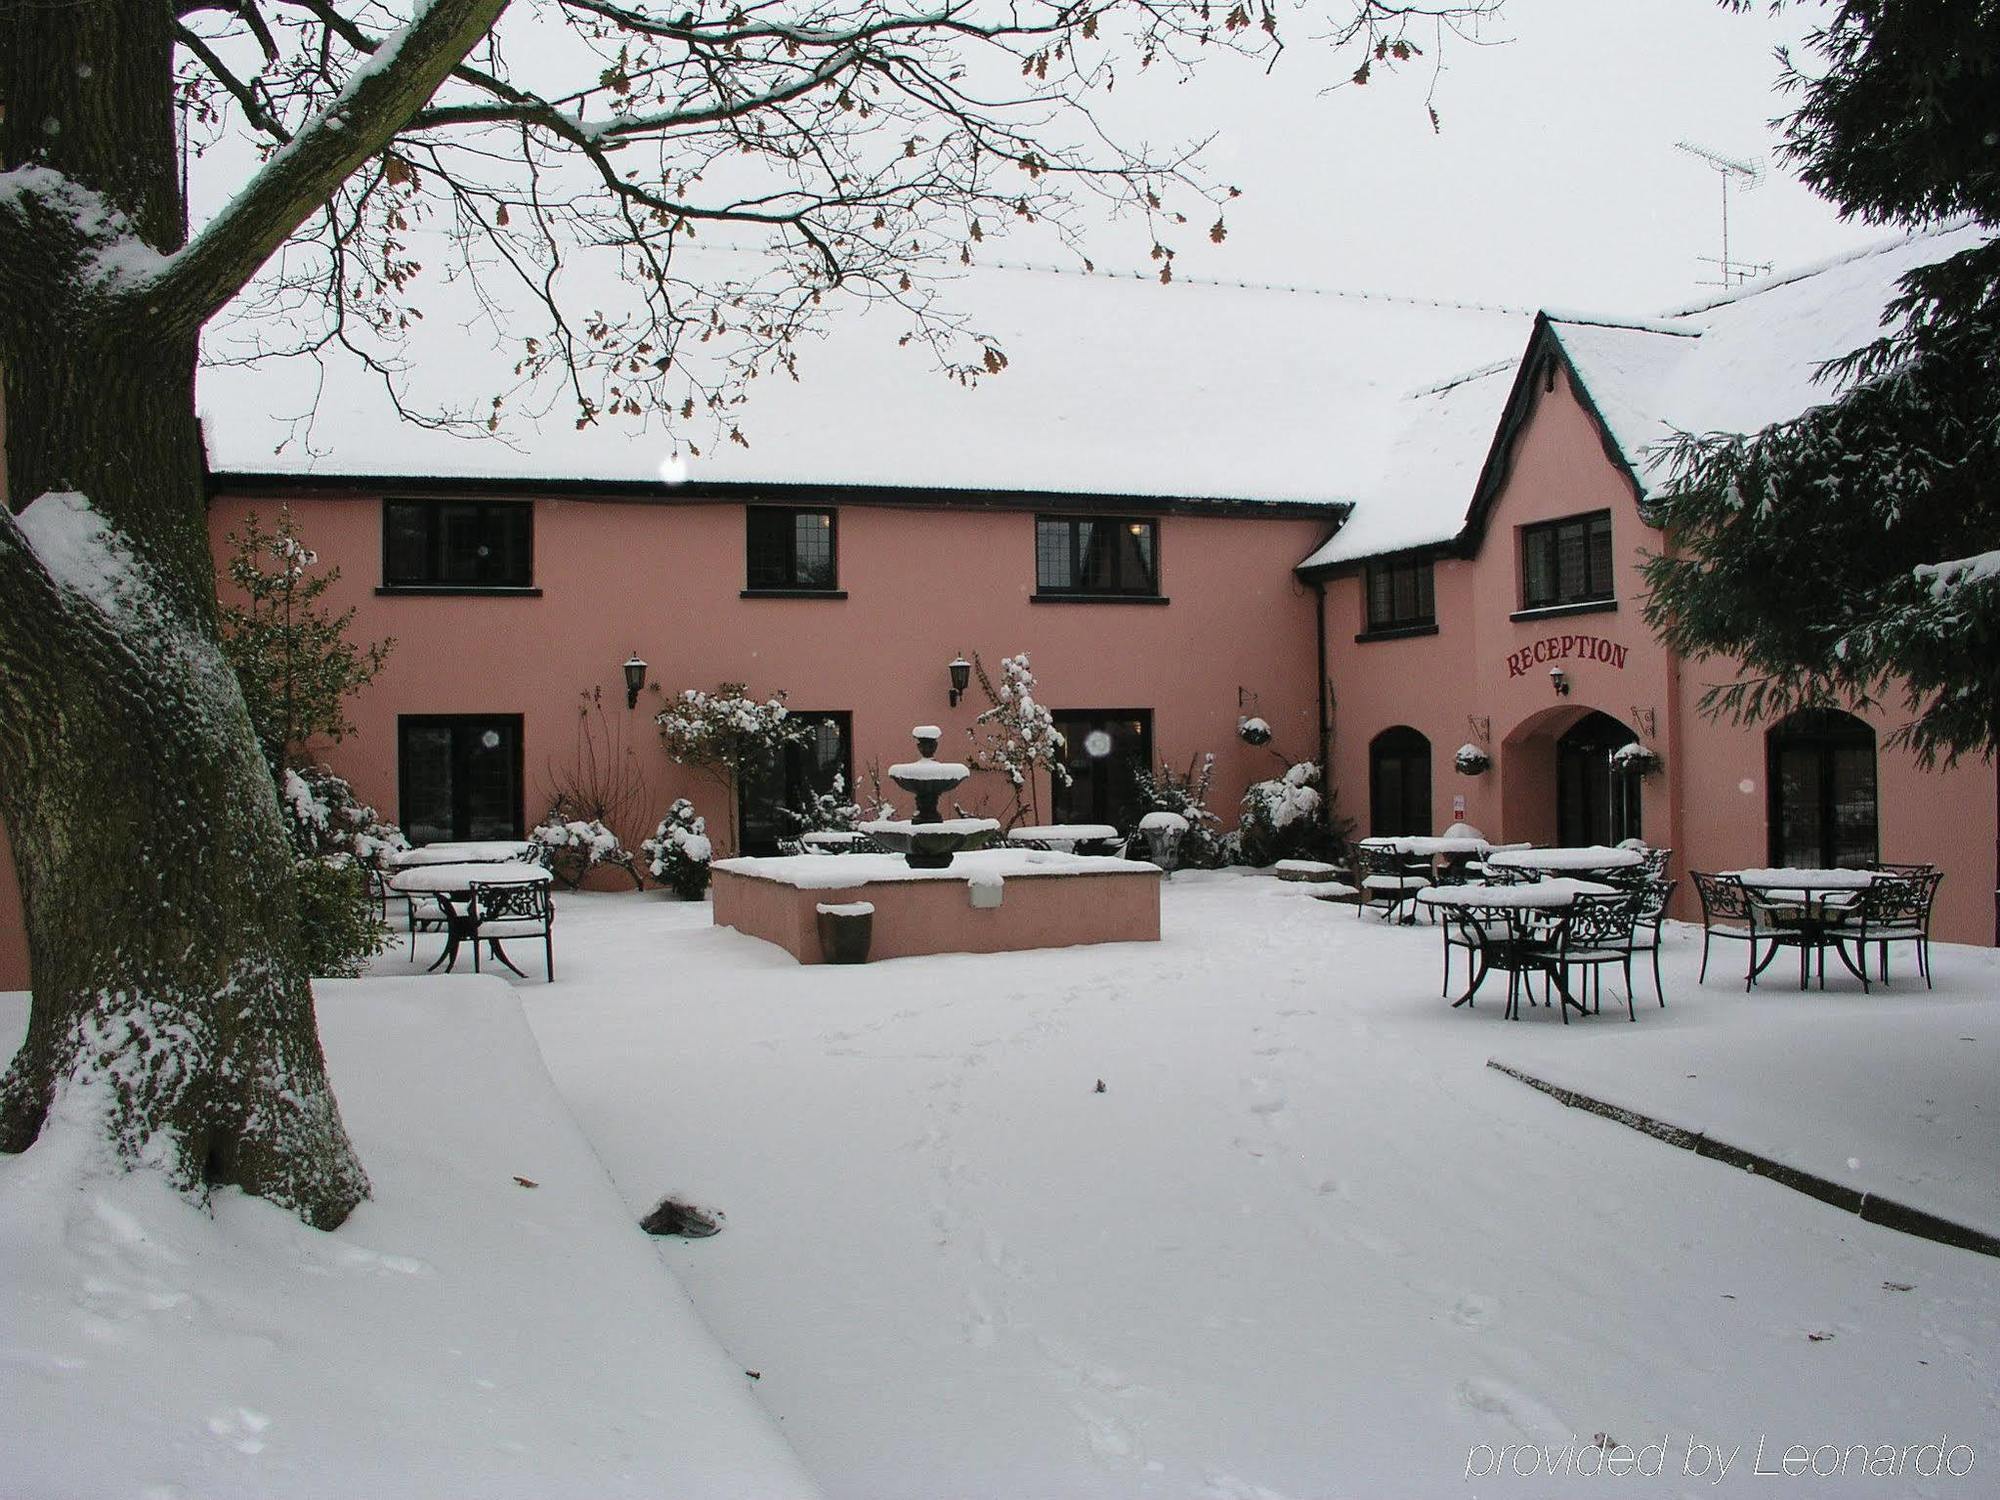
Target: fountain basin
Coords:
[(931, 846), (986, 901)]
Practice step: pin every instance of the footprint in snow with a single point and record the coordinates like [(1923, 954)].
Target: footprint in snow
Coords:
[(1471, 1311), (241, 1428)]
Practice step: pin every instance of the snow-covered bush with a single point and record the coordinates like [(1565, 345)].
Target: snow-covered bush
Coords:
[(335, 838), (1471, 760), (724, 732), (1202, 847), (1021, 736), (571, 847), (680, 852), (1281, 818), (323, 816), (830, 811)]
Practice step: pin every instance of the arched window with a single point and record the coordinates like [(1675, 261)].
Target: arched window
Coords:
[(1399, 782), (1595, 804), (1820, 767)]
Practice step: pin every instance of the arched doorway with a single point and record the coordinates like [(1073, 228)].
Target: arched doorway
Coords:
[(1820, 768), (1595, 802), (1399, 782)]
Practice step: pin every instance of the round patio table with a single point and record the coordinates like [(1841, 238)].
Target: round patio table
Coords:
[(485, 851), (1525, 910), (1063, 838), (451, 886), (1811, 903), (1589, 859)]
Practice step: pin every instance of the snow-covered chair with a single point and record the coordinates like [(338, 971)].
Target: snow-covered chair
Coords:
[(512, 911), (1384, 880)]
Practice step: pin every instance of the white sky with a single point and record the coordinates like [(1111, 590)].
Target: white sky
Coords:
[(1554, 180)]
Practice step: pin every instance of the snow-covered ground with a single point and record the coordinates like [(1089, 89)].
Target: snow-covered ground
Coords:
[(491, 1324), (1303, 1244)]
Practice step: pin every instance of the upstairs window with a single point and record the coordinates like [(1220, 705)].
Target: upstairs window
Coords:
[(1097, 555), (1566, 562), (1400, 595), (790, 549), (458, 544)]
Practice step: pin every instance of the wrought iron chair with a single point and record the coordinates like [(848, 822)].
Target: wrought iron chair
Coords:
[(1895, 909), (1653, 897), (1597, 931), (1384, 881), (1727, 911), (511, 911)]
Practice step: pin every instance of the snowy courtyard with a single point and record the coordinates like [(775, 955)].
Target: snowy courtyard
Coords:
[(1304, 1243)]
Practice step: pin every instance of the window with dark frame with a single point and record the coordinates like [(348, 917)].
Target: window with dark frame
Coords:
[(1401, 595), (459, 776), (1108, 555), (458, 544), (1566, 562), (790, 548), (1821, 775)]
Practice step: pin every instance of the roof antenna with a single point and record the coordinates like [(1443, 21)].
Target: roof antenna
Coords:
[(1748, 174)]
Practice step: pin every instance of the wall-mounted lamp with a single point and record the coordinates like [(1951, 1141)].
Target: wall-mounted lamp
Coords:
[(1561, 680), (961, 674), (635, 678)]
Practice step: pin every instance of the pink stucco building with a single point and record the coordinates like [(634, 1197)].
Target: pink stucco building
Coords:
[(1457, 568)]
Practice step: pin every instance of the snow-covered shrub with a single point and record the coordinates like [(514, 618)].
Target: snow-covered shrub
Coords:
[(830, 811), (1471, 760), (335, 838), (680, 852), (1202, 847), (572, 847), (1281, 818), (1021, 735), (725, 732)]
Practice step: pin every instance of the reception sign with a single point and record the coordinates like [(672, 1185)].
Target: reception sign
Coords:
[(1566, 648)]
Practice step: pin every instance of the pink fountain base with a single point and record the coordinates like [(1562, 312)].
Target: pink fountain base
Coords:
[(1044, 901)]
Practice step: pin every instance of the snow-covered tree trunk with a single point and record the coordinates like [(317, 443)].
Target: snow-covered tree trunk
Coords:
[(170, 1005)]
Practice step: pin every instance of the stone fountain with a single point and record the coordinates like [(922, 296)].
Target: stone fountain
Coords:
[(929, 841)]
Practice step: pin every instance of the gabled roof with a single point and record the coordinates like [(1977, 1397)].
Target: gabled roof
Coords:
[(1115, 385), (1736, 364)]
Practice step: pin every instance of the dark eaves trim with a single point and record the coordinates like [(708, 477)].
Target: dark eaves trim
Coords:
[(735, 492)]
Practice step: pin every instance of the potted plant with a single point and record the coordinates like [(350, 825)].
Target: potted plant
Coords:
[(1253, 730), (1471, 760), (1635, 759)]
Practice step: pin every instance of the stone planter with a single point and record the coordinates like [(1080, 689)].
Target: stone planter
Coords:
[(846, 932)]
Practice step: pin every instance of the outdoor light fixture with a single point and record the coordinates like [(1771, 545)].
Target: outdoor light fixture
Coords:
[(961, 674), (635, 678), (1561, 680)]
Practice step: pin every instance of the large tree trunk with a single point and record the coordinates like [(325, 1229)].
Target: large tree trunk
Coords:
[(169, 1004)]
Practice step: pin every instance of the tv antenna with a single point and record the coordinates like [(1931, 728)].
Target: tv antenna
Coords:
[(1747, 175)]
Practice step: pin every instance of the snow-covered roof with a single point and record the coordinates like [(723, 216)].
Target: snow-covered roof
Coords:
[(1736, 364), (1438, 443), (1115, 385)]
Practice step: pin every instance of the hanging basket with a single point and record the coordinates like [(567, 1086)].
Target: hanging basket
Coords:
[(1635, 759), (1472, 761), (1253, 731)]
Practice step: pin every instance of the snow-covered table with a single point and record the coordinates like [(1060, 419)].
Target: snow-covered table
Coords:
[(1809, 907), (1522, 931), (450, 885), (1063, 837), (1589, 859), (482, 851)]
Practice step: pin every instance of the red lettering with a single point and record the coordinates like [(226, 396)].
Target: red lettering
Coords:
[(1515, 663), (1618, 657)]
